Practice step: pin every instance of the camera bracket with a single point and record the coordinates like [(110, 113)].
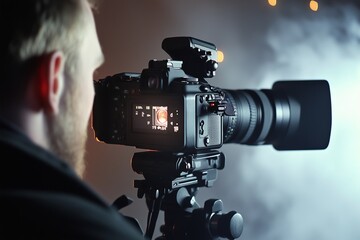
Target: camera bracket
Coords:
[(172, 187)]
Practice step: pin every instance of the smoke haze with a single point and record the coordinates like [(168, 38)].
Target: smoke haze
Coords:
[(280, 194)]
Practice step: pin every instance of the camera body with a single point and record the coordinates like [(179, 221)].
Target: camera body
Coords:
[(170, 107), (162, 108)]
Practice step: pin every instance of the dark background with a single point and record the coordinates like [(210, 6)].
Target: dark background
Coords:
[(293, 195)]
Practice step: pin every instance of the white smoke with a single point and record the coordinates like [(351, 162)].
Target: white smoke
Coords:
[(309, 194)]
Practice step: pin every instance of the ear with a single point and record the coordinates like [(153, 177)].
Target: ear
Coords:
[(51, 80)]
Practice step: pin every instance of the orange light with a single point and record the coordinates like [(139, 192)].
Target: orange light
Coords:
[(161, 116), (220, 56), (272, 2), (314, 5)]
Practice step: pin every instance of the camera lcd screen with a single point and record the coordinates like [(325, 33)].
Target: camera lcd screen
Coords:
[(155, 118)]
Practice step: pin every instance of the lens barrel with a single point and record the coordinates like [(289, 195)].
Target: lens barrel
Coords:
[(293, 115)]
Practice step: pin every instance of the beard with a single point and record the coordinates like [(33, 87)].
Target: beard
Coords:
[(68, 135)]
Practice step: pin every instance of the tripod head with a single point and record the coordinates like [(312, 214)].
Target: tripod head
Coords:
[(171, 183)]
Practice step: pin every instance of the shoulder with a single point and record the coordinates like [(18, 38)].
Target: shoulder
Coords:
[(53, 215)]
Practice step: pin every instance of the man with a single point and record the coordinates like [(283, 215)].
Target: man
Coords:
[(49, 52)]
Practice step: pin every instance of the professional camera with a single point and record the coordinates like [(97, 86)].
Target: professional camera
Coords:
[(170, 109)]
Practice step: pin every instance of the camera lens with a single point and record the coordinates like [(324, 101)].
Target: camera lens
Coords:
[(293, 115), (252, 120)]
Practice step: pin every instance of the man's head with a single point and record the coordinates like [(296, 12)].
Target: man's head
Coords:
[(49, 52)]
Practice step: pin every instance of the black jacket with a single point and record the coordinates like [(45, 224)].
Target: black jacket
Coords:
[(41, 197)]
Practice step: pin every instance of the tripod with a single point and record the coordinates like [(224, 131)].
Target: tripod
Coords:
[(171, 183)]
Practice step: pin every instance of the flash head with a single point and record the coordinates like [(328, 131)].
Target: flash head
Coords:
[(199, 57)]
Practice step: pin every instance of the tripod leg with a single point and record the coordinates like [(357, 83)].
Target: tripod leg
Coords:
[(154, 209)]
